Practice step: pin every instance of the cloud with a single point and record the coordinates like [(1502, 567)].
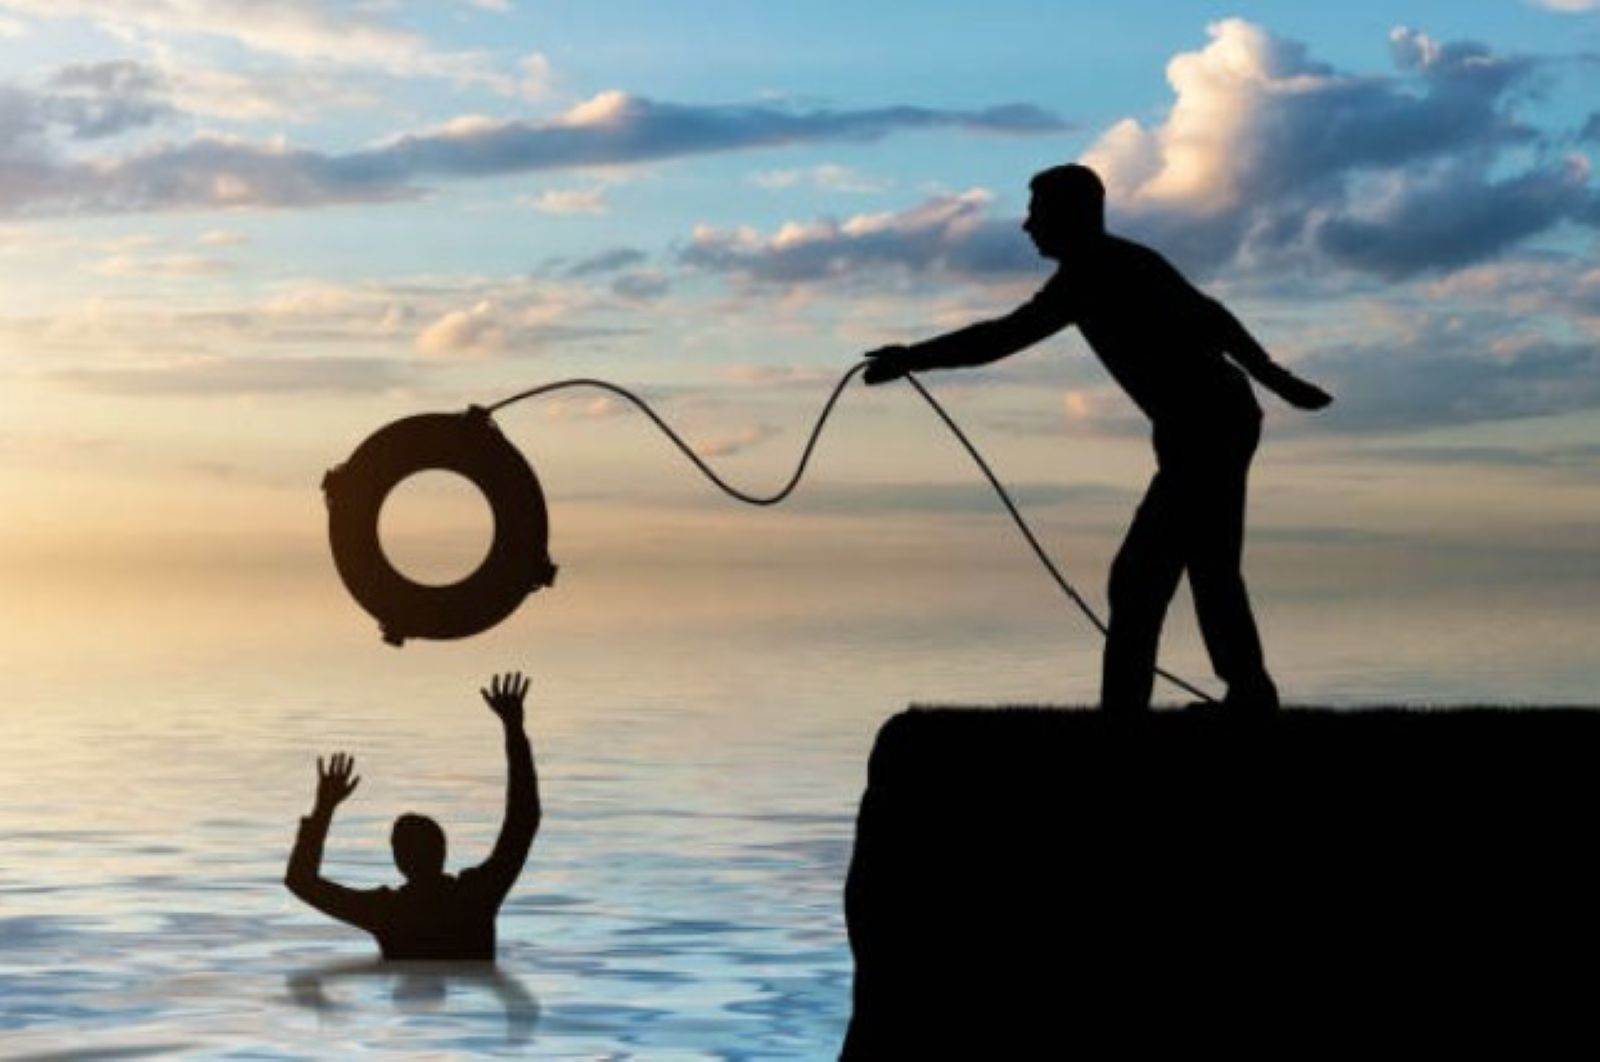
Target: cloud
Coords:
[(84, 102), (641, 285), (117, 77), (168, 85), (779, 376), (570, 201), (214, 376), (163, 266), (828, 177), (1451, 216), (948, 234), (106, 98), (736, 442), (1580, 458), (1450, 373), (606, 261), (1266, 154), (956, 499), (1526, 288), (1267, 161), (210, 171), (461, 320), (1569, 6), (612, 129), (92, 101), (306, 31), (521, 322), (254, 94), (595, 407), (479, 330), (537, 76)]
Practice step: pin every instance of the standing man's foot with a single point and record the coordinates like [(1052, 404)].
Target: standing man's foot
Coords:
[(1257, 698)]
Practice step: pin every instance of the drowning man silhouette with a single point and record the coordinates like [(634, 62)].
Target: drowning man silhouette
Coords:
[(433, 915), (1164, 342)]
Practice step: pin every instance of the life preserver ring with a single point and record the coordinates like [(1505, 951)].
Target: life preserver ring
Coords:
[(470, 445)]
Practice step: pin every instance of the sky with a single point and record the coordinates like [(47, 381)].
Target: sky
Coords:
[(235, 238)]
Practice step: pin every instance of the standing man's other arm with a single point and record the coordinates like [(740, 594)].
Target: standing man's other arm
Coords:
[(304, 875), (523, 811), (1253, 358)]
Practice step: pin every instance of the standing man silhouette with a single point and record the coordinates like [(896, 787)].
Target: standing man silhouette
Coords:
[(1169, 347), (433, 915)]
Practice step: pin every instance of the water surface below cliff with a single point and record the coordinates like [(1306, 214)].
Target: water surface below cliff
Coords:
[(701, 759)]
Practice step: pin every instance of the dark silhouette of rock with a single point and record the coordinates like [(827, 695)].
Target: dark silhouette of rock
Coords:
[(1033, 883)]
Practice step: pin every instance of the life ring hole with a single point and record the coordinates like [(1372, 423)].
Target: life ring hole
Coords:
[(436, 527)]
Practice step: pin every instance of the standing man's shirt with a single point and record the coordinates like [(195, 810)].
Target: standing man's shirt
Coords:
[(1162, 340)]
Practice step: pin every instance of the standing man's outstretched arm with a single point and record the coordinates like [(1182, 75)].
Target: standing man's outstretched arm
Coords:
[(523, 813), (977, 344), (304, 877)]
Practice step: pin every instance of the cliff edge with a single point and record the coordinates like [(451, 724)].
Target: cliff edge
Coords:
[(1054, 883)]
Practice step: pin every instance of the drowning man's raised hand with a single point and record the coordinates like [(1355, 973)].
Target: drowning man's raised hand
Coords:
[(334, 782), (887, 363), (504, 696)]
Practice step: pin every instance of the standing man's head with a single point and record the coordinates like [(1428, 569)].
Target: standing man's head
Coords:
[(1067, 209), (418, 844)]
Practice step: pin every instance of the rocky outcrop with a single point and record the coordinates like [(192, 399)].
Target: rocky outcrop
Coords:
[(1034, 883)]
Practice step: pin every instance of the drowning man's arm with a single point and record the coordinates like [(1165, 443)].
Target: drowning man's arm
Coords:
[(1242, 347), (523, 812), (978, 344), (304, 876)]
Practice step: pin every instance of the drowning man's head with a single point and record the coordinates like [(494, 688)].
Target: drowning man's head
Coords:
[(418, 844), (1067, 209)]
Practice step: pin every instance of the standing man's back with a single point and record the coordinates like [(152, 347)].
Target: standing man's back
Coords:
[(1155, 332), (433, 915)]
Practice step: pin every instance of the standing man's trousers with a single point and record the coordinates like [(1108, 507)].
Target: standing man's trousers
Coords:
[(1191, 519)]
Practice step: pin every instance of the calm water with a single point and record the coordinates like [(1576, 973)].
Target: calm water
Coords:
[(701, 760)]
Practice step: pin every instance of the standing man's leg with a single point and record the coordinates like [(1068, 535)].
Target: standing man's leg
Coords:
[(1143, 578), (1221, 600)]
